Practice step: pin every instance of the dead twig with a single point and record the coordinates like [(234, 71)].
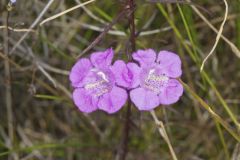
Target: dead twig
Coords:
[(218, 36), (163, 133), (65, 12), (17, 29), (8, 91), (105, 31), (32, 25)]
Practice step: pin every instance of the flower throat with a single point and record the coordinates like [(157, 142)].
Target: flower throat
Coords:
[(155, 82)]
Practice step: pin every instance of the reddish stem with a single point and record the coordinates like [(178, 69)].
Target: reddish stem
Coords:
[(123, 149)]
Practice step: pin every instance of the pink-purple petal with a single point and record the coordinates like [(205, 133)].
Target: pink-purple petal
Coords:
[(144, 99), (134, 72), (118, 69), (102, 59), (171, 93), (85, 102), (113, 101), (79, 72), (126, 75), (145, 57), (169, 64)]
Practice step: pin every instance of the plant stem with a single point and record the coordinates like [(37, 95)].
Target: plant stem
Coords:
[(132, 26), (8, 91), (163, 133), (123, 149)]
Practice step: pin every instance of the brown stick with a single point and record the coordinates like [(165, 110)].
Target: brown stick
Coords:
[(8, 91), (100, 36), (123, 148)]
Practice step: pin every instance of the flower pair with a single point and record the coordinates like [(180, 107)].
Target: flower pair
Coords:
[(99, 84)]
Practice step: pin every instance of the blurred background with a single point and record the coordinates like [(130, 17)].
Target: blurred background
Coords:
[(38, 119)]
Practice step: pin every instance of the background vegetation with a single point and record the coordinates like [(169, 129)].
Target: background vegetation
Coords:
[(38, 119)]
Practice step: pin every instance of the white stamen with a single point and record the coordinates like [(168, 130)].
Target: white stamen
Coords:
[(100, 86), (103, 76), (150, 73), (94, 85), (155, 82)]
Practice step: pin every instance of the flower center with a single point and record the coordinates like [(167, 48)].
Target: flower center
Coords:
[(99, 83), (155, 82)]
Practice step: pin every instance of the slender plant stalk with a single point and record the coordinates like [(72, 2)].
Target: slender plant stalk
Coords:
[(163, 133), (100, 36), (123, 149), (8, 86), (65, 12), (32, 26), (222, 139), (132, 26)]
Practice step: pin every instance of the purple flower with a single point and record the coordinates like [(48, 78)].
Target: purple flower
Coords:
[(95, 84), (153, 83)]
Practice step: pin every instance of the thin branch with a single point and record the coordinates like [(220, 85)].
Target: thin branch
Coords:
[(132, 27), (163, 133), (218, 36), (66, 11), (32, 26), (105, 31), (118, 32), (233, 47), (8, 91), (7, 71), (16, 29), (123, 148), (91, 14), (54, 69)]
